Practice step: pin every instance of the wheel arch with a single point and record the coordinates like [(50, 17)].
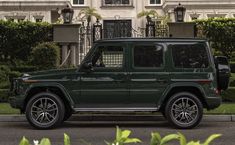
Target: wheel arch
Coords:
[(52, 88), (177, 88)]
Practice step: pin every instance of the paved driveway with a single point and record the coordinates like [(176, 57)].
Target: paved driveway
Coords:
[(96, 132)]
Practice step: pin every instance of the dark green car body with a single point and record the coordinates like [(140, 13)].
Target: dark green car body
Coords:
[(124, 88), (177, 77)]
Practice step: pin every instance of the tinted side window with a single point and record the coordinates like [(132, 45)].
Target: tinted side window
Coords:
[(190, 56), (108, 57), (148, 56)]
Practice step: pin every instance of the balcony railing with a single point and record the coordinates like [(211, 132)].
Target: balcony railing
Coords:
[(114, 3)]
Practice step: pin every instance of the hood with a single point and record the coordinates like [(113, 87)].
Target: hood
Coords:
[(48, 72)]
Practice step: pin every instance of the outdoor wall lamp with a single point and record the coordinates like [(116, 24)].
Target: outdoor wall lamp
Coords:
[(67, 14), (179, 12)]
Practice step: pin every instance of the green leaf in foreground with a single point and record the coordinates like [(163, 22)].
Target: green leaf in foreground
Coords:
[(169, 138), (66, 139), (45, 141), (24, 141), (211, 138)]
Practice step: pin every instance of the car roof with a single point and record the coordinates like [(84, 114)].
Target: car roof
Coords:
[(152, 40)]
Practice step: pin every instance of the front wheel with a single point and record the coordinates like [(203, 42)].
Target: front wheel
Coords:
[(184, 110), (45, 110)]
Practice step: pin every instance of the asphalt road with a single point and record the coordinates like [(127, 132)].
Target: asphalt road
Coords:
[(96, 132)]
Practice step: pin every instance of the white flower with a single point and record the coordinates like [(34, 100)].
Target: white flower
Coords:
[(35, 142)]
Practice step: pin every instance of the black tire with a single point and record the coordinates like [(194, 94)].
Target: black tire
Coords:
[(163, 113), (45, 111), (68, 114), (181, 115)]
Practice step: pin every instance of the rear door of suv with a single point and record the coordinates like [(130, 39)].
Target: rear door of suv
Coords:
[(147, 74)]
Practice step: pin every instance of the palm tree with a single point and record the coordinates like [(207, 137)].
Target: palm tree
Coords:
[(88, 13), (151, 13)]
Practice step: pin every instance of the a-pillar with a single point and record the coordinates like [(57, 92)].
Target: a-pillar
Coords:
[(64, 54), (73, 48)]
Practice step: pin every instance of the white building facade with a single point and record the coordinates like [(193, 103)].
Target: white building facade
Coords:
[(115, 14), (113, 10)]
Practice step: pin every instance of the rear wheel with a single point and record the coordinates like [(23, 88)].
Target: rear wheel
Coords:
[(184, 110), (45, 110)]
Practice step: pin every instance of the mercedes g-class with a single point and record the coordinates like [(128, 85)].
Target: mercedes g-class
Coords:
[(175, 76)]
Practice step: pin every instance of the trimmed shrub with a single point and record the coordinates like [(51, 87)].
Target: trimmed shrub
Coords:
[(232, 66), (4, 75), (4, 95), (228, 95), (4, 71), (14, 74), (23, 69), (220, 32), (46, 55), (18, 39)]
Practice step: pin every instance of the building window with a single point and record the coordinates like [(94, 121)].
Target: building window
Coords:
[(194, 16), (11, 19), (78, 2), (117, 28), (117, 2), (38, 18), (155, 2), (15, 18), (20, 20)]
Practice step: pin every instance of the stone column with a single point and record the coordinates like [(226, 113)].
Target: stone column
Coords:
[(73, 54), (64, 53)]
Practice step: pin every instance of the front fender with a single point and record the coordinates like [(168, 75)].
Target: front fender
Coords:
[(51, 84)]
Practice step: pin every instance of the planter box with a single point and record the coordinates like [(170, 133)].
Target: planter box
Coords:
[(182, 29), (66, 33)]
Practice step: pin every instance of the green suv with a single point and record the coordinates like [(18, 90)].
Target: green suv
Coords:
[(177, 77)]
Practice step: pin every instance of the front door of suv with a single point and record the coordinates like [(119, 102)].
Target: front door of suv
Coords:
[(105, 86), (148, 74)]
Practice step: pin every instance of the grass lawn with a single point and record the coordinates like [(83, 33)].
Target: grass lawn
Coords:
[(223, 109), (5, 108)]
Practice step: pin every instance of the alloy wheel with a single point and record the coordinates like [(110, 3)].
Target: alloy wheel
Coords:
[(184, 111), (44, 111)]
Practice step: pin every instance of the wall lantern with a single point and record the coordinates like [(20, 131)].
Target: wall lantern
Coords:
[(67, 14), (179, 12)]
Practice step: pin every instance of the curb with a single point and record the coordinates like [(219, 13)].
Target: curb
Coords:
[(121, 118)]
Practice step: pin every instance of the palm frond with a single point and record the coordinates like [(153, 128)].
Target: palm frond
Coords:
[(152, 13)]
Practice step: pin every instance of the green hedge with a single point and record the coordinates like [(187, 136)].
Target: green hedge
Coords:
[(229, 95), (232, 66), (220, 32), (18, 39), (26, 68), (4, 95), (46, 55)]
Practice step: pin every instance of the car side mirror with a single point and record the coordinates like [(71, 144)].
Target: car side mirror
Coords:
[(88, 66)]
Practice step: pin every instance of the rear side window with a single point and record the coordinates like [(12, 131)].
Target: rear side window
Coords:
[(190, 56), (150, 56)]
